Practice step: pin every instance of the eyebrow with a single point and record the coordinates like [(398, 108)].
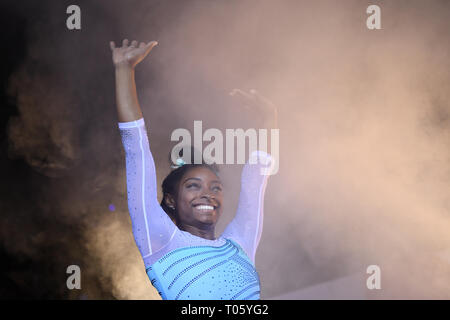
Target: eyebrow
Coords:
[(193, 178)]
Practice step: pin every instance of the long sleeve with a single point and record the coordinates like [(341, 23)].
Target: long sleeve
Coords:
[(246, 227), (152, 228)]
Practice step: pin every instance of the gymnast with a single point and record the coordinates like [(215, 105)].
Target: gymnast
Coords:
[(184, 259)]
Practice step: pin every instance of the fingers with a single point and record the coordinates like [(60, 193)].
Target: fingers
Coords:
[(240, 93), (261, 98), (254, 99), (139, 50), (245, 99), (134, 44), (149, 46)]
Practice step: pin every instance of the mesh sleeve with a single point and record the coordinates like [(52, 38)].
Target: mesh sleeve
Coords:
[(152, 228), (246, 227)]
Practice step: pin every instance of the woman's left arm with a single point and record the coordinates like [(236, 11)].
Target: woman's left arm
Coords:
[(246, 227)]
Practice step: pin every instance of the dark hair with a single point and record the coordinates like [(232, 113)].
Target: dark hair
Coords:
[(170, 183)]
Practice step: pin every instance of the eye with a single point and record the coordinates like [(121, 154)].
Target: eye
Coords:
[(217, 188), (193, 185)]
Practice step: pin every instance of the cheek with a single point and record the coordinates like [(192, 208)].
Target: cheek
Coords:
[(185, 198), (220, 199)]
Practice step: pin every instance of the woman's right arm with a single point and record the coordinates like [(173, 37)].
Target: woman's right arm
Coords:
[(125, 59), (152, 228)]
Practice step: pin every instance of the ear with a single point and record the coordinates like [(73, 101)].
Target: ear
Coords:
[(169, 200)]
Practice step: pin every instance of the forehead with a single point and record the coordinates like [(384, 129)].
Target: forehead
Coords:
[(201, 173)]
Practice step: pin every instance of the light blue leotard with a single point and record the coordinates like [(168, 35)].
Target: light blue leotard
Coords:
[(181, 265)]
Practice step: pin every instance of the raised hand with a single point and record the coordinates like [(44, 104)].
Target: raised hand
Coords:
[(255, 102), (130, 55)]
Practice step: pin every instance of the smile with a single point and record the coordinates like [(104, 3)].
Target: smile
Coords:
[(204, 207)]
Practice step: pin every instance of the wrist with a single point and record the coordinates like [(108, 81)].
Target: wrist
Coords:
[(124, 66)]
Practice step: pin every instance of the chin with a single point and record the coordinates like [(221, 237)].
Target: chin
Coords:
[(208, 220)]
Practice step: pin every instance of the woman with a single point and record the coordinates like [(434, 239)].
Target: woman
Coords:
[(176, 238)]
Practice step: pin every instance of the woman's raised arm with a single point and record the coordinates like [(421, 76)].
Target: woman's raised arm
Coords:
[(125, 59), (152, 228), (247, 225)]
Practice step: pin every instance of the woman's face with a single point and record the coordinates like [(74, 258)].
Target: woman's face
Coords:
[(199, 200)]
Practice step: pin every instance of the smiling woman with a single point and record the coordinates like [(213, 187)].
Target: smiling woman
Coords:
[(176, 238), (193, 199)]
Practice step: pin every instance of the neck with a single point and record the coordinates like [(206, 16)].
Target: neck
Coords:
[(207, 233)]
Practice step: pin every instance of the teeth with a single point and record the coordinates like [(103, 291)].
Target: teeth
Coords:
[(204, 207)]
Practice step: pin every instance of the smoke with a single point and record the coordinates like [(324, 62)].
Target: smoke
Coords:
[(43, 133), (111, 242), (364, 137)]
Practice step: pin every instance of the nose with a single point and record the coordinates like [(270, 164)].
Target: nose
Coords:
[(208, 195)]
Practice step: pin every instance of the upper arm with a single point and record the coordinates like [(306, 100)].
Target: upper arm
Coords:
[(246, 227), (152, 228)]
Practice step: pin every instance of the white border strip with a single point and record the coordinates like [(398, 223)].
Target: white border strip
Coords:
[(143, 189), (262, 190)]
